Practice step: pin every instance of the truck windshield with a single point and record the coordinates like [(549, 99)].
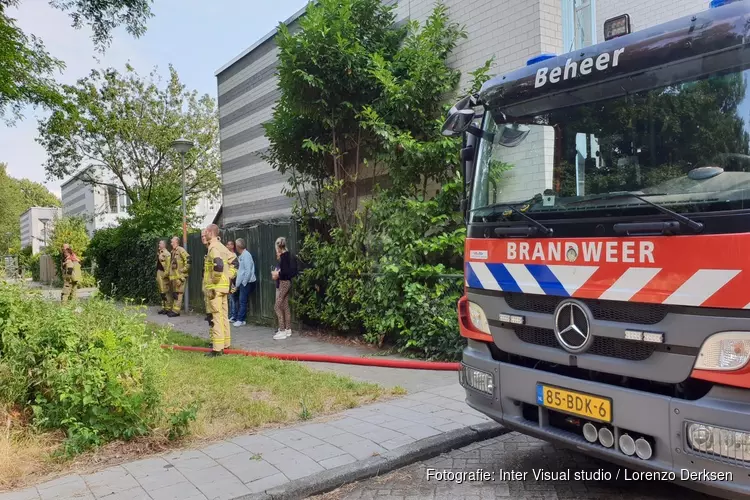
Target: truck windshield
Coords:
[(684, 146)]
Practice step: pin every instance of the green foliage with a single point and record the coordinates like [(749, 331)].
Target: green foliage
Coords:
[(359, 95), (326, 81), (125, 125), (387, 278), (17, 196), (70, 230), (125, 263), (29, 263), (89, 369), (179, 422), (27, 69), (407, 115)]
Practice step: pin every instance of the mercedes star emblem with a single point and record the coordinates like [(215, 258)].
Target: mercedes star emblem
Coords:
[(572, 327)]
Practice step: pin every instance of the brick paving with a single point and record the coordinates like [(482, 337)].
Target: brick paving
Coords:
[(254, 463), (511, 453)]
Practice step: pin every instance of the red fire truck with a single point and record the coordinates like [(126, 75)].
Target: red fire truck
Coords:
[(607, 264)]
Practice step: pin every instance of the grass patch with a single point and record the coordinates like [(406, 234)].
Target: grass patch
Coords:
[(174, 337), (230, 395), (237, 393)]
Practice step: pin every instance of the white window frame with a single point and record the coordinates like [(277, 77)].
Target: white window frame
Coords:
[(570, 40)]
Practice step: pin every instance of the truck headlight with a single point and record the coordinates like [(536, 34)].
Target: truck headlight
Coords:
[(719, 441), (725, 351), (478, 318)]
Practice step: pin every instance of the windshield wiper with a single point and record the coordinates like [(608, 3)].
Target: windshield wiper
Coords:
[(512, 206), (692, 224)]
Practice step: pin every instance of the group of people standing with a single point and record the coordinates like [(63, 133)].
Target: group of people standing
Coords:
[(172, 270), (229, 279)]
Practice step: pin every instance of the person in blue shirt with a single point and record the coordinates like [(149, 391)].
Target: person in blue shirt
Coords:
[(245, 281)]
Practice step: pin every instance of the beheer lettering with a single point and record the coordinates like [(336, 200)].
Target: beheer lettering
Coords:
[(573, 68), (627, 252)]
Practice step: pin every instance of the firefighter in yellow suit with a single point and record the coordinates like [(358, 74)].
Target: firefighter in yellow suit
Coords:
[(162, 277), (204, 240), (178, 274), (71, 274), (218, 271)]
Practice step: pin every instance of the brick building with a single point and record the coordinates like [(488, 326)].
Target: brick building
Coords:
[(511, 31)]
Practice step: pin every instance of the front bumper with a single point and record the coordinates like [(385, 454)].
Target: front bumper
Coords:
[(663, 418)]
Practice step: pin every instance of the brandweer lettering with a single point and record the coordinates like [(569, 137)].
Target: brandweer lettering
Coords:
[(628, 252), (572, 68)]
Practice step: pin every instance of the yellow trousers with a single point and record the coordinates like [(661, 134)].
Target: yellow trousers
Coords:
[(69, 290), (163, 285), (218, 306), (178, 289)]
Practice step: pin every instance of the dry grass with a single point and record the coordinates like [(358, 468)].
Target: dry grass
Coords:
[(234, 394), (24, 452)]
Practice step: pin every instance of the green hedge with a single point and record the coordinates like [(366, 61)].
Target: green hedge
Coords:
[(396, 276), (125, 264)]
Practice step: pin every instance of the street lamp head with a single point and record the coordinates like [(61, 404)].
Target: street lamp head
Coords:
[(182, 145)]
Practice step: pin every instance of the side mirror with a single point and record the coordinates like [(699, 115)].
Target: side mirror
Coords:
[(458, 122), (460, 117)]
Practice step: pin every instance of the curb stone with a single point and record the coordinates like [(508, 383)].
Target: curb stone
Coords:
[(423, 449)]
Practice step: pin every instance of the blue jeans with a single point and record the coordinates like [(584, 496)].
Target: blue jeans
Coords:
[(232, 299), (244, 292)]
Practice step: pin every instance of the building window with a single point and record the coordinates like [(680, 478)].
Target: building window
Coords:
[(579, 24), (112, 199)]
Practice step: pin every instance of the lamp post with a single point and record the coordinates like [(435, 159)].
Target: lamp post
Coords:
[(182, 146), (44, 222)]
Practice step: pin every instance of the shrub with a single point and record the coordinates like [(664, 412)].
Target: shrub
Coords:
[(70, 230), (395, 276), (34, 266), (125, 263), (29, 263), (87, 368)]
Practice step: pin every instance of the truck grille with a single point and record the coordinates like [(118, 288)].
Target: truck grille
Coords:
[(605, 310), (602, 346)]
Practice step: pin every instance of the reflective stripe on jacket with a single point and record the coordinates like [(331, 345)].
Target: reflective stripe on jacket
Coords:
[(218, 268)]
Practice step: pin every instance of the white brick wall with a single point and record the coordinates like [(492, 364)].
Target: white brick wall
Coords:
[(645, 13), (510, 30)]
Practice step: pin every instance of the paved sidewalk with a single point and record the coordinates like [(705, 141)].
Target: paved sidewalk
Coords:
[(258, 462), (260, 338)]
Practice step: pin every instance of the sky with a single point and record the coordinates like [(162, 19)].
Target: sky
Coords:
[(196, 36)]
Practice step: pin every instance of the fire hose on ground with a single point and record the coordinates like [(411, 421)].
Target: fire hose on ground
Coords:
[(327, 358)]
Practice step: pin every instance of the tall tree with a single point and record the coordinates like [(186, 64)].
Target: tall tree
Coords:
[(17, 196), (325, 81), (121, 129), (356, 91), (27, 69)]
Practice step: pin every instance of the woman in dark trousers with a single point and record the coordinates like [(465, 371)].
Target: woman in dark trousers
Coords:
[(282, 275)]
